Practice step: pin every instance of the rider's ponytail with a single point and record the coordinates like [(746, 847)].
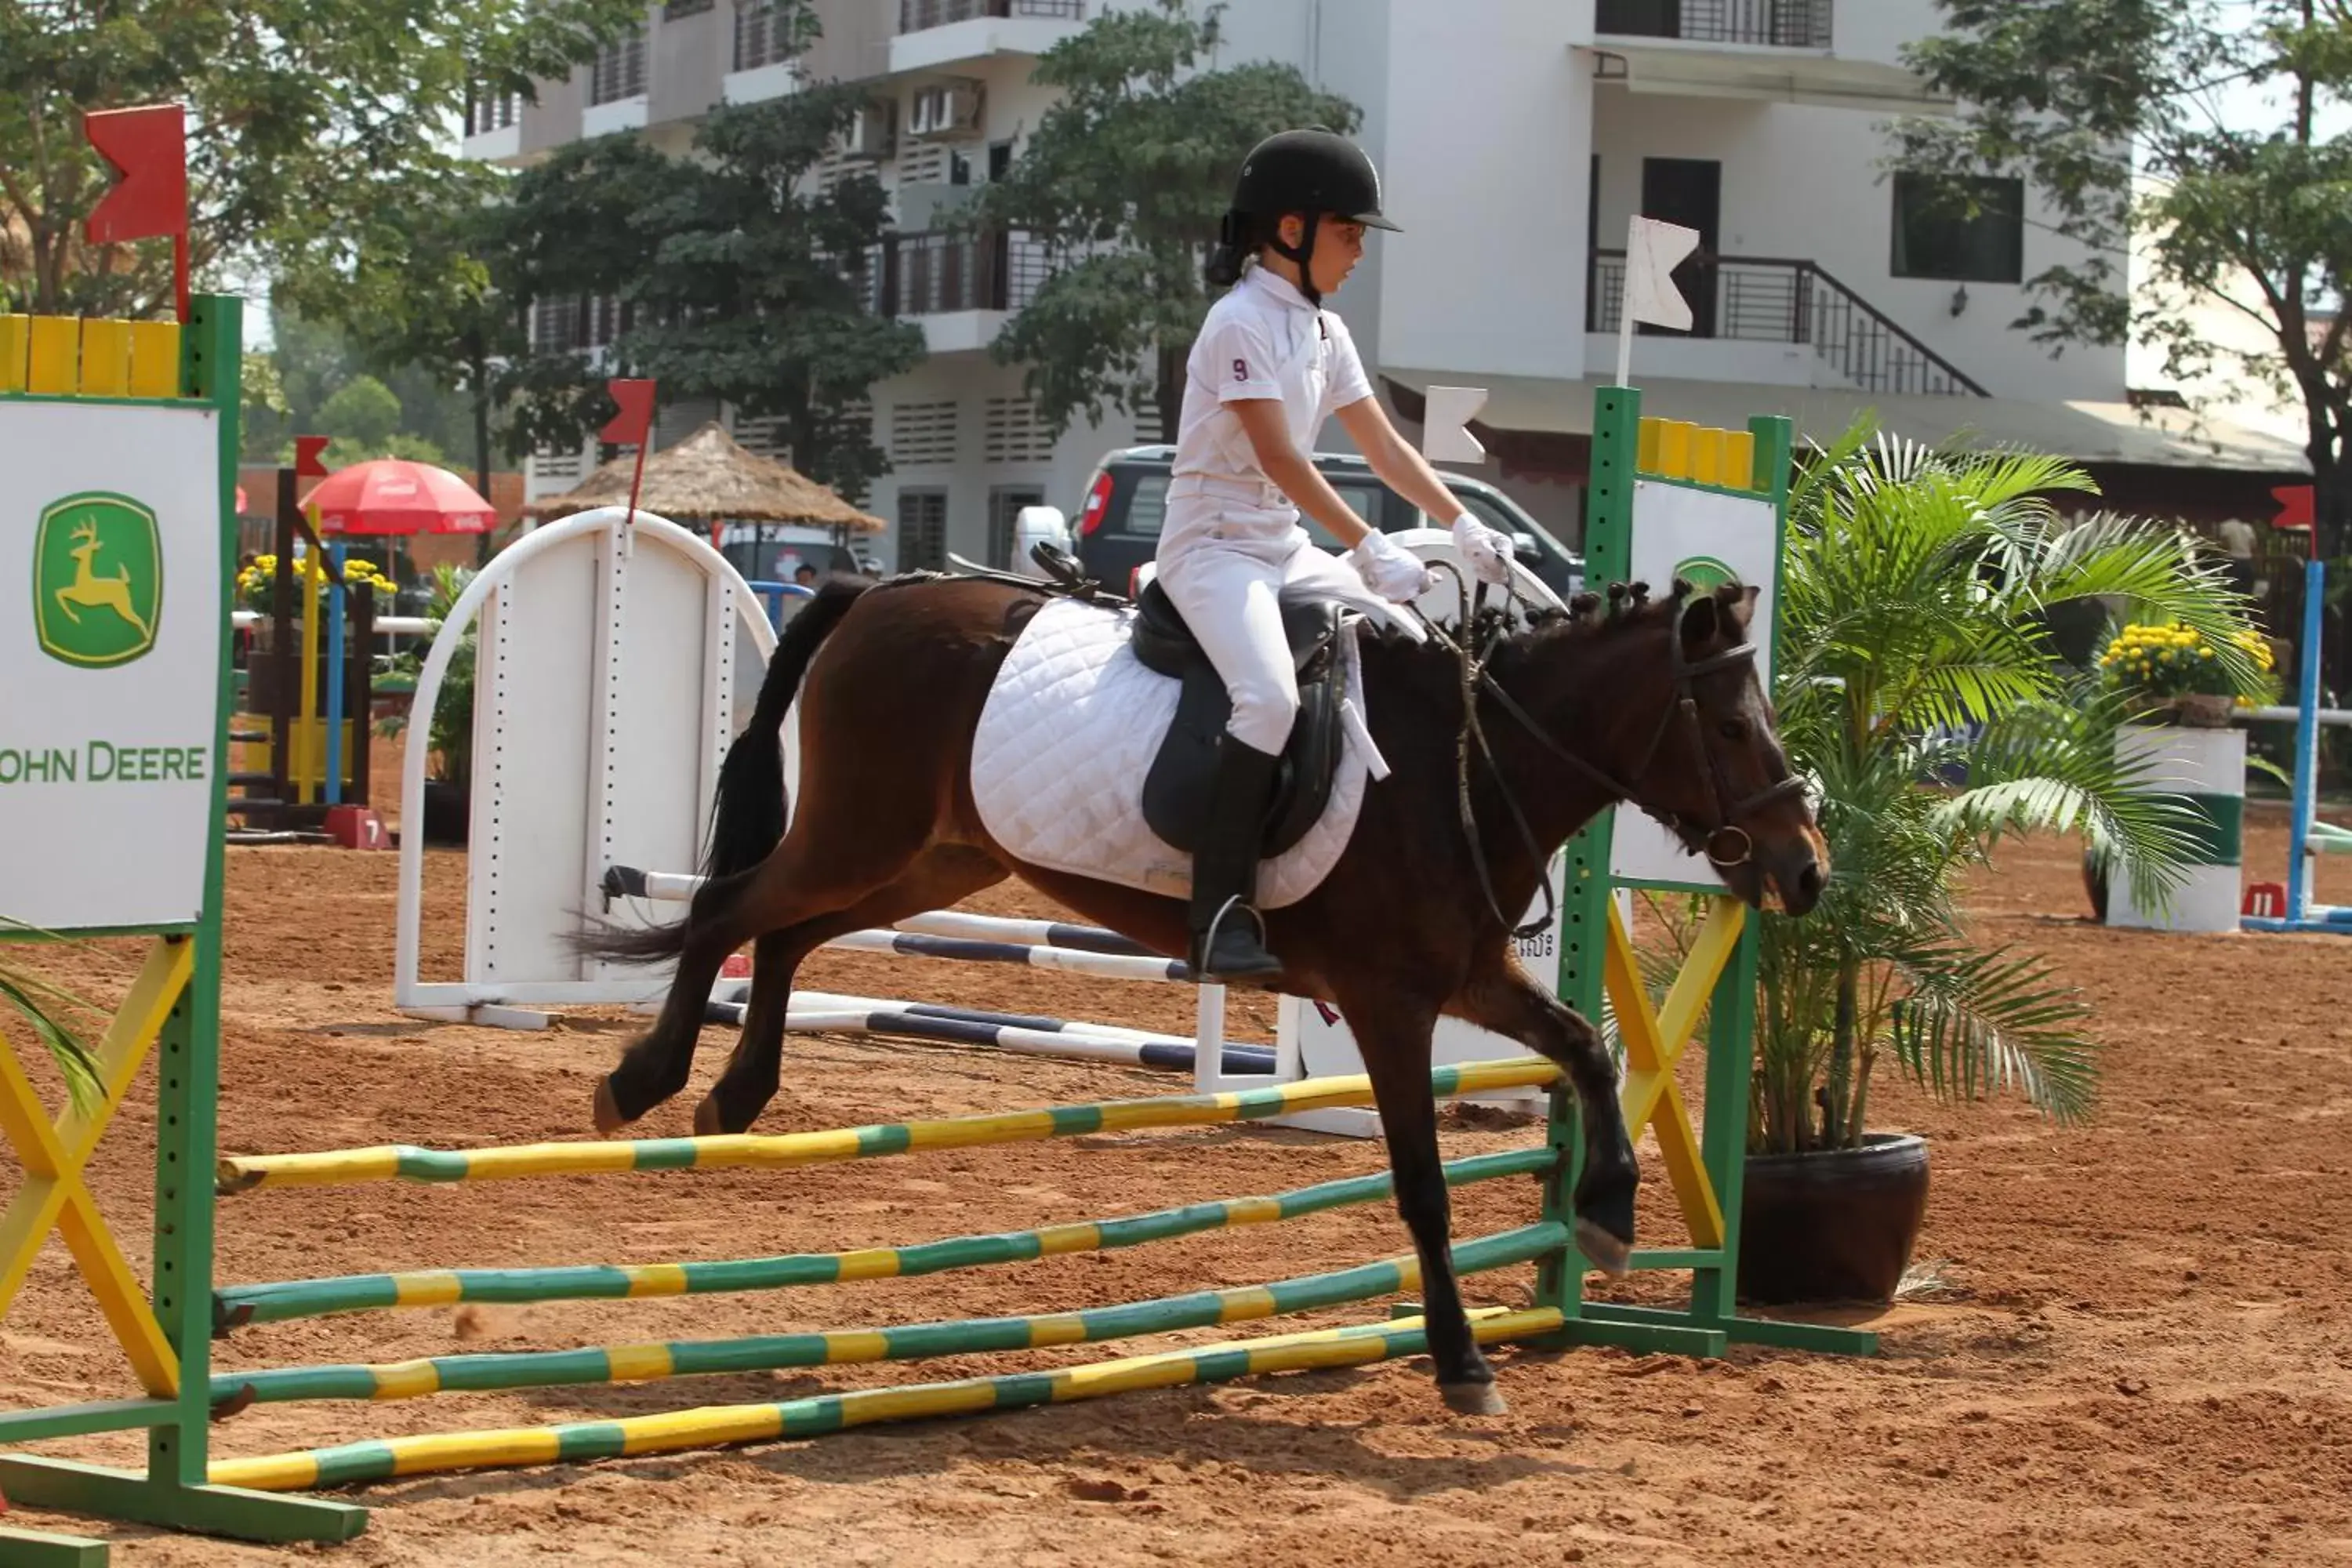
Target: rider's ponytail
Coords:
[(1237, 242)]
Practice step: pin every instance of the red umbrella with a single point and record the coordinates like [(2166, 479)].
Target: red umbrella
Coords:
[(393, 495)]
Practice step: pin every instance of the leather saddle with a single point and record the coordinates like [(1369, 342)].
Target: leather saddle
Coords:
[(1176, 789)]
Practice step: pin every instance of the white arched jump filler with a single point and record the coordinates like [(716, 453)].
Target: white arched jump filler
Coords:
[(614, 658)]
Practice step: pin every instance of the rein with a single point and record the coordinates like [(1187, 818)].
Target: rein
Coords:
[(1718, 842)]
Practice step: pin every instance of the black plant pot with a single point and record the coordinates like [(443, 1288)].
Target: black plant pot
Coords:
[(1834, 1225), (448, 811)]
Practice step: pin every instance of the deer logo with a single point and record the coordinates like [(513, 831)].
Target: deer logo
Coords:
[(89, 590), (98, 580)]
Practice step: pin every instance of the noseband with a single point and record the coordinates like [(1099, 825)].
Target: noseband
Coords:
[(1725, 843)]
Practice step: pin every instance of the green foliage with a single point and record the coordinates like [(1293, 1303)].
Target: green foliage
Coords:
[(311, 366), (42, 1005), (1124, 182), (450, 735), (308, 117), (2105, 108), (1919, 690), (737, 286)]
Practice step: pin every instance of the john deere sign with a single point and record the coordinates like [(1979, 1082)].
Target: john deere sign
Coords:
[(98, 579), (111, 625)]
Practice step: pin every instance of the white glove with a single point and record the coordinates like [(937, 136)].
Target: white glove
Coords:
[(1388, 569), (1486, 552)]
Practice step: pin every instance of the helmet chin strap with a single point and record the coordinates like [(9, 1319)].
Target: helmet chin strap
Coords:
[(1303, 254)]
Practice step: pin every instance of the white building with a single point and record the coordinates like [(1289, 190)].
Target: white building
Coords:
[(1515, 137)]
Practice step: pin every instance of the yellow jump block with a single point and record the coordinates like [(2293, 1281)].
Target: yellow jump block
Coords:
[(1702, 454), (68, 356)]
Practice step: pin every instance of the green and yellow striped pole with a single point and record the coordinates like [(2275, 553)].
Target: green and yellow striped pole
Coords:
[(286, 1300), (405, 1163), (720, 1426), (841, 1347)]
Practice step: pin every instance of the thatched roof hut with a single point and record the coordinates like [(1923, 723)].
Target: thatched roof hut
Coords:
[(709, 477)]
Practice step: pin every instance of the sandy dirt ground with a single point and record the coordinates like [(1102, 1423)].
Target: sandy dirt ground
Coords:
[(2127, 1343)]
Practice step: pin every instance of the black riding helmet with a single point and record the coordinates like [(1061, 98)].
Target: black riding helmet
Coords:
[(1311, 172)]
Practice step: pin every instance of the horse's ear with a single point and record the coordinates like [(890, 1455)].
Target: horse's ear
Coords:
[(1703, 622), (1739, 603)]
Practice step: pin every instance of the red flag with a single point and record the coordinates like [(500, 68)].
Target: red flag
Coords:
[(630, 426), (2295, 504), (306, 465), (633, 426), (149, 149)]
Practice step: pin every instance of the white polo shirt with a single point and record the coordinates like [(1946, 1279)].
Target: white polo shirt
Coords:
[(1262, 340)]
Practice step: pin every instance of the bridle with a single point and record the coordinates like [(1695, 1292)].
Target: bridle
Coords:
[(1725, 843)]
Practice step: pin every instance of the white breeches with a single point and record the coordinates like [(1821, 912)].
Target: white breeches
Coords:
[(1228, 592)]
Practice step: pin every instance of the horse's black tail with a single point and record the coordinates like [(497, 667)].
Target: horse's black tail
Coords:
[(747, 816)]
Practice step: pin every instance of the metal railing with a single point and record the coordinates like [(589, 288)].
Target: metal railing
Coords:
[(932, 273), (1780, 24), (1768, 299), (916, 15)]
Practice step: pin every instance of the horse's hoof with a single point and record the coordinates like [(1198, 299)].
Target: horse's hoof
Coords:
[(1605, 1252), (706, 1120), (1471, 1398), (607, 1114)]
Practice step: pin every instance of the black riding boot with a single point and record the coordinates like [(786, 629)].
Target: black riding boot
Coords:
[(1228, 943)]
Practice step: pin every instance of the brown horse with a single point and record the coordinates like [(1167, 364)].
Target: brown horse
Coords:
[(1658, 703)]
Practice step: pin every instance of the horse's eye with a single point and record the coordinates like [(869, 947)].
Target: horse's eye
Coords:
[(1732, 729)]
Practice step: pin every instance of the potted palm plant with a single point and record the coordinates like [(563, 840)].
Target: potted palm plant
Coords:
[(1920, 692), (449, 728)]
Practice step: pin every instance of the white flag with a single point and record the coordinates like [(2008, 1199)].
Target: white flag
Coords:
[(1444, 433), (1653, 250)]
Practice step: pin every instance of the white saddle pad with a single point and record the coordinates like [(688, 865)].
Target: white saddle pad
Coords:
[(1068, 733)]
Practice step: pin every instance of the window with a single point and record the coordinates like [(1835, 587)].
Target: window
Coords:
[(1000, 161), (1965, 230), (491, 111), (763, 34), (556, 326), (673, 9), (1014, 434), (922, 531), (619, 70), (923, 433), (1004, 504)]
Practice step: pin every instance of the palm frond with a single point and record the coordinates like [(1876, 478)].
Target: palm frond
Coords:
[(32, 998), (1978, 1021)]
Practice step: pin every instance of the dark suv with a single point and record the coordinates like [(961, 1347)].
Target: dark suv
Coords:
[(1119, 528)]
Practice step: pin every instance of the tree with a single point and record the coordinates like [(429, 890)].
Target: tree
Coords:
[(733, 284), (2065, 93), (316, 379), (1123, 183), (307, 118), (432, 304)]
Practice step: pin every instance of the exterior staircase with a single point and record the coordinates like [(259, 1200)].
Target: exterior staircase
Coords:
[(1758, 298)]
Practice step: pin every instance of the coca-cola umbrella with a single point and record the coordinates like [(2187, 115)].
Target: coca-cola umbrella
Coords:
[(395, 496)]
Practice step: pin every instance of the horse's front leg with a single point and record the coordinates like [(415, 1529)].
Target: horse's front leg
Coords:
[(1393, 1033), (1502, 997)]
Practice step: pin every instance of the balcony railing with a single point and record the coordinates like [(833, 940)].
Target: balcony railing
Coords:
[(1781, 24), (934, 273), (1755, 298), (918, 15)]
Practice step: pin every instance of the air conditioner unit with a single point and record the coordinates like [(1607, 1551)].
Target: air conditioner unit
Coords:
[(945, 112), (868, 135)]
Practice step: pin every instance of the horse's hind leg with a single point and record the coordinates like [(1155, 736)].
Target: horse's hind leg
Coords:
[(1502, 997), (823, 866), (941, 877), (1393, 1033)]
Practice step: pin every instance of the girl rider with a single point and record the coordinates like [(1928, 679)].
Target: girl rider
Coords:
[(1269, 366)]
